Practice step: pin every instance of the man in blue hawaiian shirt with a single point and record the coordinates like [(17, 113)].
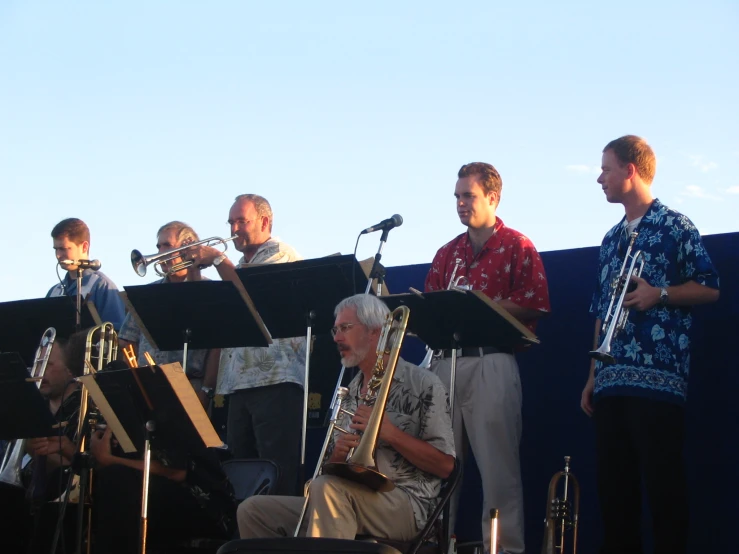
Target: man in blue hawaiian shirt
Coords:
[(637, 401)]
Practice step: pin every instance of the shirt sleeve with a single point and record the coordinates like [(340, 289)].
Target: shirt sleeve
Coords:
[(108, 302), (528, 279), (130, 330), (435, 276), (695, 263)]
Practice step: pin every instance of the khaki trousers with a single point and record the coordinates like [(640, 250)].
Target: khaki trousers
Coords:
[(337, 508), (487, 417)]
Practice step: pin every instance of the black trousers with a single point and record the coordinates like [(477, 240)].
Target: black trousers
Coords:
[(639, 443), (266, 422)]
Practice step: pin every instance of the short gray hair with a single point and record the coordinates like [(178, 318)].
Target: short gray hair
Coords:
[(261, 205), (371, 311), (181, 230)]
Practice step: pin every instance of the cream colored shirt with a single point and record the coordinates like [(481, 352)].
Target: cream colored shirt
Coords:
[(283, 361)]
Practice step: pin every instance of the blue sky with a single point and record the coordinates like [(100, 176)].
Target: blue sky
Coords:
[(131, 114)]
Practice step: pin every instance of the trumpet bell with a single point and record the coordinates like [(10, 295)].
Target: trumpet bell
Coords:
[(602, 356), (138, 261)]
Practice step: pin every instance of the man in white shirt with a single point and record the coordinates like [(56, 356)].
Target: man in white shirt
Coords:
[(264, 385)]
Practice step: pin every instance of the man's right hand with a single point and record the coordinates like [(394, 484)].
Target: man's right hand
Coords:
[(344, 443), (586, 401)]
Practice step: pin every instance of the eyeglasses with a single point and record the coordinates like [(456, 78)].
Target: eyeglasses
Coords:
[(343, 328)]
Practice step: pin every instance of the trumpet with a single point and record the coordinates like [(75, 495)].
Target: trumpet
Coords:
[(562, 513), (160, 261), (454, 284), (617, 315), (10, 470)]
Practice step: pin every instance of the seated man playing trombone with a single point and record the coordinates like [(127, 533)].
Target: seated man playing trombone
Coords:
[(415, 450)]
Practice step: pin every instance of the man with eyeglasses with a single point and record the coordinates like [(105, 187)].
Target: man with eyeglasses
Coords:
[(505, 265), (637, 403), (415, 449), (174, 234), (264, 385)]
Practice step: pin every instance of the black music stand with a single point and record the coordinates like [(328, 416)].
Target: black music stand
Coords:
[(296, 297), (197, 314), (23, 322), (24, 413), (451, 319), (152, 404)]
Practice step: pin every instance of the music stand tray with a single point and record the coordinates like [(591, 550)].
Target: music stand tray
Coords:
[(202, 314), (24, 413), (286, 294), (23, 322), (451, 319)]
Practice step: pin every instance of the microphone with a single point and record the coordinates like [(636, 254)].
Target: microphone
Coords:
[(83, 264), (385, 225)]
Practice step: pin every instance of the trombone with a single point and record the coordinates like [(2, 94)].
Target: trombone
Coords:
[(160, 261), (617, 315), (361, 466)]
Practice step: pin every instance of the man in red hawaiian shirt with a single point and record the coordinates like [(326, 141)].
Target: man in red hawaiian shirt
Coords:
[(503, 264)]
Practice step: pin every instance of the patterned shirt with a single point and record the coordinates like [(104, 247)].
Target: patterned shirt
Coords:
[(653, 351), (418, 405), (283, 361), (98, 289), (508, 266), (131, 332)]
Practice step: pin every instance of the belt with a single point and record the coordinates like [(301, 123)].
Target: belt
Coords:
[(475, 352)]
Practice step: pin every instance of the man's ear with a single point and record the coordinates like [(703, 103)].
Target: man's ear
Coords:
[(85, 247), (264, 224), (493, 198), (631, 171)]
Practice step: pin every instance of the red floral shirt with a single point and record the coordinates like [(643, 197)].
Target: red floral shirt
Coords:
[(508, 266)]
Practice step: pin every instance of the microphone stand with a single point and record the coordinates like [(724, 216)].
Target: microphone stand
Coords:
[(375, 273), (78, 313)]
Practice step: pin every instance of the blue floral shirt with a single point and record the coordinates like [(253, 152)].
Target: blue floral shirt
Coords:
[(653, 351)]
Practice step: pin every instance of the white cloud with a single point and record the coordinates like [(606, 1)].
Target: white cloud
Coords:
[(581, 168), (694, 191), (732, 190), (701, 163)]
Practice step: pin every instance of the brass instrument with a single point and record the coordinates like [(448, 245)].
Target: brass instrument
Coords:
[(361, 466), (562, 513), (452, 285), (617, 315), (336, 411), (10, 470), (79, 487), (140, 262)]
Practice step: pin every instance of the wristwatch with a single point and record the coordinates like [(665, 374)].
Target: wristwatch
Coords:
[(209, 392), (219, 259), (663, 296)]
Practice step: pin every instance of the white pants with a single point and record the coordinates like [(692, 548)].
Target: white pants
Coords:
[(487, 417), (338, 509)]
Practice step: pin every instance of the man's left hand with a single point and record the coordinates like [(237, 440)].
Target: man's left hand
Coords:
[(643, 297)]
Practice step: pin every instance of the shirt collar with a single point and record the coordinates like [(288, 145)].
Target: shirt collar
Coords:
[(488, 244)]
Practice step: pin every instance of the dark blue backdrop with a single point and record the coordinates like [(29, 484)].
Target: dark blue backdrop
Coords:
[(554, 373)]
